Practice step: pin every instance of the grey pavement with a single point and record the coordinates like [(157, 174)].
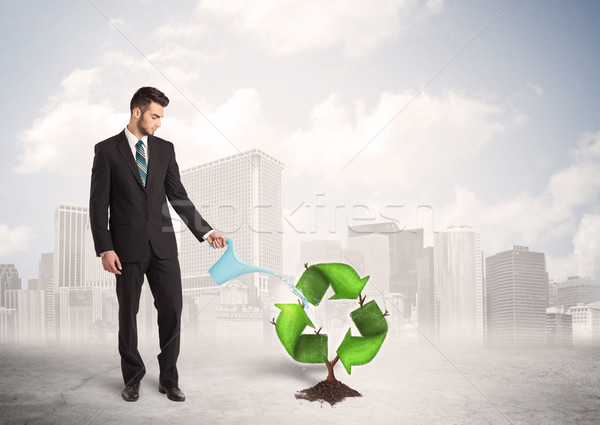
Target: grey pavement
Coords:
[(407, 383)]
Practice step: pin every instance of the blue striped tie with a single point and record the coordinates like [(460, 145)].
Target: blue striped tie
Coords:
[(140, 158)]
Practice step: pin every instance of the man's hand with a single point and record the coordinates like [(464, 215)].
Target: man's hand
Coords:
[(217, 240), (111, 263)]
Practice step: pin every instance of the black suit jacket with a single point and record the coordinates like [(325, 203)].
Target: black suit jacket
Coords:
[(138, 215)]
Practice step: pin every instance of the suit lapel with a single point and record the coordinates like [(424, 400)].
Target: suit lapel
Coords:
[(125, 150)]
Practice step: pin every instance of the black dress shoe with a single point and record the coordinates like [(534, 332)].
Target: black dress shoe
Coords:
[(173, 393), (131, 392)]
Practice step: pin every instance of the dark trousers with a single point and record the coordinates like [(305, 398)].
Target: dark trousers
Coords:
[(164, 278)]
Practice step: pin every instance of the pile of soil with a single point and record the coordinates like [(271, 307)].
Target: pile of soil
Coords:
[(330, 391)]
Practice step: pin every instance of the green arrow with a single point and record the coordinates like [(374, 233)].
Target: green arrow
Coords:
[(309, 348), (371, 324), (344, 281)]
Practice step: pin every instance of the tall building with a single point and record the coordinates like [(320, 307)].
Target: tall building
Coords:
[(8, 325), (426, 293), (517, 291), (587, 263), (238, 320), (577, 290), (45, 283), (397, 318), (384, 233), (239, 195), (45, 271), (30, 315), (586, 323), (375, 249), (199, 317), (69, 246), (458, 278), (403, 264), (80, 309), (402, 246), (33, 284), (69, 254), (559, 327), (587, 248), (9, 279)]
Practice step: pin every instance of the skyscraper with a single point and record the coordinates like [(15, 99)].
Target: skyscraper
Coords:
[(403, 245), (376, 241), (33, 284), (8, 325), (375, 249), (586, 263), (458, 278), (45, 278), (559, 327), (586, 323), (517, 291), (577, 290), (9, 279), (426, 293), (30, 314), (77, 296), (69, 246), (239, 195), (80, 308)]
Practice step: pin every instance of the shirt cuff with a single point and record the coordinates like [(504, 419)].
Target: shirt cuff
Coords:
[(208, 233), (102, 254)]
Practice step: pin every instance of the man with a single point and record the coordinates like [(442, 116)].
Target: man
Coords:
[(133, 175)]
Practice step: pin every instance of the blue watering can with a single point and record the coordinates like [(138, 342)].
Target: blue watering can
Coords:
[(230, 266)]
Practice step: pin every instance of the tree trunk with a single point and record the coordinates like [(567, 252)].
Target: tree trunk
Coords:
[(330, 365)]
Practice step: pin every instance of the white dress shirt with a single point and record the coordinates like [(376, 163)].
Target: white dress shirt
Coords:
[(133, 141)]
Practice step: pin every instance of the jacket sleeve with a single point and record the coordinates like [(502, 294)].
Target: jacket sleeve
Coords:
[(99, 203), (181, 203)]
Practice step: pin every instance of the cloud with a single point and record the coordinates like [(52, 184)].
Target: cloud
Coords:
[(587, 238), (434, 6), (118, 22), (291, 27), (560, 268), (15, 239), (579, 184), (424, 144), (222, 130), (541, 219), (535, 88), (179, 30), (61, 140)]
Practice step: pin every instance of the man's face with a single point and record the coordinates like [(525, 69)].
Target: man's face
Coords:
[(150, 120)]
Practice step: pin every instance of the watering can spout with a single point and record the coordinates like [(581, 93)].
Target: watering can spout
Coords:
[(230, 266)]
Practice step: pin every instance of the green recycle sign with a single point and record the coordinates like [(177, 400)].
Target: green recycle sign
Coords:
[(313, 348)]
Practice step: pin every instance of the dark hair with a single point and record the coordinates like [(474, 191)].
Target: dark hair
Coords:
[(144, 96)]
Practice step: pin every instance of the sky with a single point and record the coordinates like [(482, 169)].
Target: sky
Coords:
[(487, 111)]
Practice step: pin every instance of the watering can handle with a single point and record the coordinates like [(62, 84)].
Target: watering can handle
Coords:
[(228, 239)]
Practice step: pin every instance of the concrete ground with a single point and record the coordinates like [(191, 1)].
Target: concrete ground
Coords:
[(404, 384)]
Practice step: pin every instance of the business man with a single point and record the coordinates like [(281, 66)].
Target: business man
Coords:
[(133, 175)]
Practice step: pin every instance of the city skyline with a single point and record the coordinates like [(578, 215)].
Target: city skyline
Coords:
[(584, 264), (481, 110), (448, 277)]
